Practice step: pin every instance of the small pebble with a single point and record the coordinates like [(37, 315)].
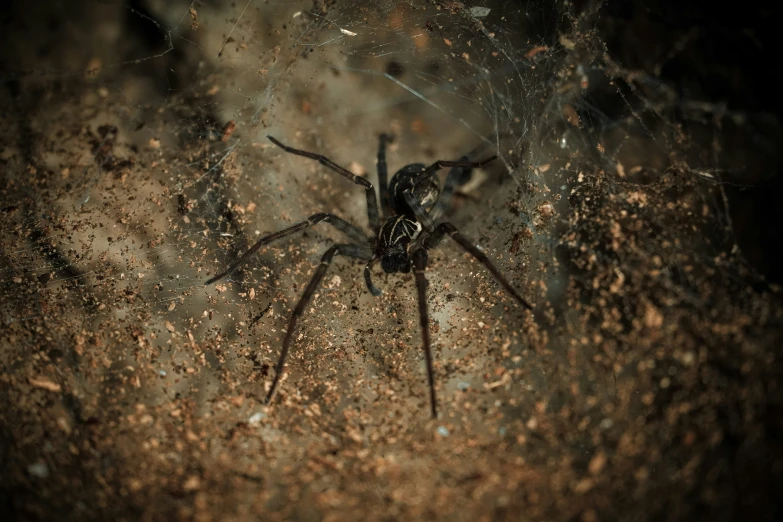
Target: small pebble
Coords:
[(39, 469), (256, 418), (442, 431)]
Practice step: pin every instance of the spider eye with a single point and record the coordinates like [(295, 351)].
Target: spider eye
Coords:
[(395, 262)]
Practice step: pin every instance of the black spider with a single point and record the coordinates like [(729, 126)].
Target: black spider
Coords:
[(414, 201)]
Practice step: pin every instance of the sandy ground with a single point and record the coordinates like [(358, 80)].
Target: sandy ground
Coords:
[(645, 385)]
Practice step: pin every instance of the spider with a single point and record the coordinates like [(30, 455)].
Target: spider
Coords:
[(413, 202)]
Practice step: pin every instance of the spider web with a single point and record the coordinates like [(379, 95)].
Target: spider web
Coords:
[(136, 166)]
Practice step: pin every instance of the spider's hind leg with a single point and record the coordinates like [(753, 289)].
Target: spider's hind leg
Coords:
[(447, 228), (358, 251), (429, 171), (421, 214), (457, 177)]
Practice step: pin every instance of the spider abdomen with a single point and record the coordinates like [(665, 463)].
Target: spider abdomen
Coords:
[(425, 192)]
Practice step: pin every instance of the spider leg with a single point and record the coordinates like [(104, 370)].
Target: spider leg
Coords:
[(447, 228), (359, 251), (432, 169), (372, 201), (421, 214), (457, 177), (368, 277), (383, 173), (419, 265), (340, 224)]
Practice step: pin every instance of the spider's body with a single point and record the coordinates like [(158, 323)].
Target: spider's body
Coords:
[(414, 201), (394, 240), (426, 192)]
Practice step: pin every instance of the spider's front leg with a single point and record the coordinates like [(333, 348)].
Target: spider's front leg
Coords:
[(340, 224), (383, 173), (372, 200), (374, 290), (419, 259)]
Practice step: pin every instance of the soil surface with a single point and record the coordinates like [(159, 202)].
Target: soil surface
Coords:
[(645, 384)]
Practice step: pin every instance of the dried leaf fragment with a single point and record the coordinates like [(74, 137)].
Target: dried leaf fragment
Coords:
[(45, 383)]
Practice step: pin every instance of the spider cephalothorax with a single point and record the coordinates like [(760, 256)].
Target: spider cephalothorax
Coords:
[(414, 202), (394, 239)]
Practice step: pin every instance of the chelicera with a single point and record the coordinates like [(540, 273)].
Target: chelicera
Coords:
[(412, 203)]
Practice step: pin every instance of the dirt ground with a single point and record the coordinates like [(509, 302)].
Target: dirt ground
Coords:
[(634, 204)]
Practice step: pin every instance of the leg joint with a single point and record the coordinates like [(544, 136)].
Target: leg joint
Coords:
[(317, 218), (329, 254)]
